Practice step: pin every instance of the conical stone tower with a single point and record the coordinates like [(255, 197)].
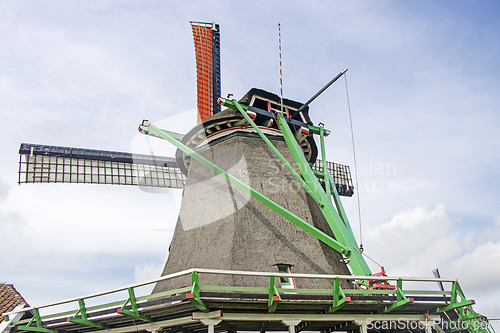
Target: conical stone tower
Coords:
[(221, 227)]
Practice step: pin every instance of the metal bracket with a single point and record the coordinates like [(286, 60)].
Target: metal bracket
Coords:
[(274, 295), (339, 298), (194, 296), (455, 306), (456, 291), (401, 298), (135, 311), (39, 327), (83, 320)]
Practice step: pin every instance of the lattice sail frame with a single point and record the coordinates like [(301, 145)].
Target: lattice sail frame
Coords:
[(341, 175), (55, 164), (206, 38)]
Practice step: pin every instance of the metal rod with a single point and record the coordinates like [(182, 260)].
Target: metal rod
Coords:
[(321, 91)]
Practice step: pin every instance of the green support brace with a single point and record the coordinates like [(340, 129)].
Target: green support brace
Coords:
[(456, 292), (455, 306), (339, 229), (83, 312), (323, 157), (469, 317), (175, 135), (345, 240), (194, 296), (330, 186), (39, 326), (238, 107), (401, 298), (338, 203), (319, 174), (153, 131), (339, 298), (135, 311), (274, 295), (342, 233)]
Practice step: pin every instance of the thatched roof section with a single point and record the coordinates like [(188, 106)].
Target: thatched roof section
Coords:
[(221, 227)]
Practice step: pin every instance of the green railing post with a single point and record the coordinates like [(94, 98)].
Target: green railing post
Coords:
[(339, 298), (133, 305), (274, 296), (401, 298), (83, 312), (39, 326), (195, 296)]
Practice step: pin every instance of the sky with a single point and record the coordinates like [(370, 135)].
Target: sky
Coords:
[(423, 85)]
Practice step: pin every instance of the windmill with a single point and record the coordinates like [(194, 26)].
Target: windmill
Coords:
[(231, 137), (258, 204)]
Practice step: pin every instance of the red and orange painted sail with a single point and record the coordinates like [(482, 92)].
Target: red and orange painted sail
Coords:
[(207, 48)]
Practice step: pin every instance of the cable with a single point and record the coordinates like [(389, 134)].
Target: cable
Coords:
[(355, 166)]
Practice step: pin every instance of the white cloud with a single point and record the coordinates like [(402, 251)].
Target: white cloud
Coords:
[(86, 73), (148, 272), (414, 241), (418, 240), (479, 269)]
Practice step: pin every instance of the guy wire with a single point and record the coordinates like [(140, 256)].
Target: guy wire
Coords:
[(355, 166)]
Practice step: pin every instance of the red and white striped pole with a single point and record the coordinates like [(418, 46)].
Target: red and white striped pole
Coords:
[(281, 72)]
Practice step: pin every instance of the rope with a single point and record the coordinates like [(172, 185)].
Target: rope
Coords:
[(281, 72), (355, 166), (360, 251)]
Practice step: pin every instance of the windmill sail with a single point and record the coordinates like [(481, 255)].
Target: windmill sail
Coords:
[(55, 164), (207, 48)]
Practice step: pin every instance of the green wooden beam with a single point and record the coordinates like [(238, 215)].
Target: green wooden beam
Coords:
[(274, 295), (175, 135), (455, 306), (153, 131), (194, 296), (401, 298), (238, 107), (39, 326), (342, 234), (339, 298), (83, 312), (323, 158), (133, 304)]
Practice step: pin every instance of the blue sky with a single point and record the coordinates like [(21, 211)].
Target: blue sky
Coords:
[(423, 82)]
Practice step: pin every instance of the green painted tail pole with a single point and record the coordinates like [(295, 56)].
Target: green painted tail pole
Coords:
[(334, 215), (345, 241), (149, 129)]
